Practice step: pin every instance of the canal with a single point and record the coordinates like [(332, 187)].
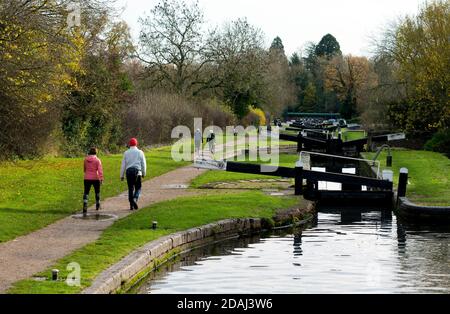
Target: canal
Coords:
[(339, 252)]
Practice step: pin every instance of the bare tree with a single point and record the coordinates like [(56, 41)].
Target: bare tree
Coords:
[(171, 42)]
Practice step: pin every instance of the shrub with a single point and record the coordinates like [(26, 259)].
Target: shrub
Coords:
[(255, 117), (440, 142), (154, 114)]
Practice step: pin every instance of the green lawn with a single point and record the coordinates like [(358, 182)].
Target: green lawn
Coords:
[(134, 231), (34, 194), (429, 175), (213, 176), (352, 135)]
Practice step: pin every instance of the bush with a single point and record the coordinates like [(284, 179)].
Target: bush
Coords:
[(440, 142), (153, 115), (255, 117)]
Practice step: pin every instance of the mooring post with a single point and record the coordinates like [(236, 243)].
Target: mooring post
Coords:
[(402, 183), (298, 178), (55, 273), (389, 161), (299, 142)]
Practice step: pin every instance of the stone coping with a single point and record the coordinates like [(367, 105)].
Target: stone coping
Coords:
[(148, 256), (408, 209)]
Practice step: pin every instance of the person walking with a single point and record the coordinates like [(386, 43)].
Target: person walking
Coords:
[(211, 139), (198, 140), (93, 176), (134, 166)]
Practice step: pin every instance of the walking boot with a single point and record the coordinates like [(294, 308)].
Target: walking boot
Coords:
[(97, 206), (85, 206), (135, 205)]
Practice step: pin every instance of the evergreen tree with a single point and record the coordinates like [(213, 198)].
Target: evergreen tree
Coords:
[(277, 44), (328, 47), (295, 59)]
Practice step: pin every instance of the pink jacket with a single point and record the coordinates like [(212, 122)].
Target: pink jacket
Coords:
[(93, 168)]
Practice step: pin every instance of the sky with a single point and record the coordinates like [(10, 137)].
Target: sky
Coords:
[(353, 22)]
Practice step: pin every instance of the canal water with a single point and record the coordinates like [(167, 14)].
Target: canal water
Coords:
[(340, 252)]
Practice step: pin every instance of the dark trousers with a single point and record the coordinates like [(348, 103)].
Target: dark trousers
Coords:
[(134, 182), (87, 188)]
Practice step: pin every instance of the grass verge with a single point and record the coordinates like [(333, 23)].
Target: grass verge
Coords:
[(429, 175), (133, 231), (35, 193)]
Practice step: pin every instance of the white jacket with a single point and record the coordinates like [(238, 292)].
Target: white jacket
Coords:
[(134, 158)]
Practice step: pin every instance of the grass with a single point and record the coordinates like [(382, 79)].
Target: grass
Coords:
[(33, 194), (352, 135), (133, 231), (213, 176), (429, 175)]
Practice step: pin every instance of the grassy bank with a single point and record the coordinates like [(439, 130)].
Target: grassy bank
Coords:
[(34, 194), (429, 175), (348, 135), (213, 176), (134, 231)]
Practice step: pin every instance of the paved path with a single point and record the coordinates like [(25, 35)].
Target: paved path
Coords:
[(27, 255)]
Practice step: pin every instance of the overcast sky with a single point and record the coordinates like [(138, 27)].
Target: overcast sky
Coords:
[(352, 22)]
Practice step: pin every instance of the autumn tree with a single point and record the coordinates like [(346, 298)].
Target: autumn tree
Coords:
[(37, 57), (350, 78), (91, 114), (418, 48)]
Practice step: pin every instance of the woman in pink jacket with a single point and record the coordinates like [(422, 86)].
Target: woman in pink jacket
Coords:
[(93, 176)]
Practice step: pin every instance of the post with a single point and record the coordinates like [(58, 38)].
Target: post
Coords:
[(402, 183), (299, 142), (389, 161), (369, 140), (55, 273), (299, 178)]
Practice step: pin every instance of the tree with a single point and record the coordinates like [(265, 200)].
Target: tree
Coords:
[(328, 47), (295, 59), (37, 56), (238, 63), (309, 98), (172, 45), (277, 45), (280, 90), (91, 115), (350, 77), (418, 49)]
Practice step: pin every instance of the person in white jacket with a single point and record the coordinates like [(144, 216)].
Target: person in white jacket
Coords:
[(134, 166), (198, 139)]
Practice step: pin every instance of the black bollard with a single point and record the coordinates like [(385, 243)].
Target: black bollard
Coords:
[(389, 161), (55, 273), (298, 178), (402, 183)]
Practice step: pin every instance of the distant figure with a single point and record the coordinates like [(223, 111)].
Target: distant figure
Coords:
[(198, 140), (93, 176), (235, 133), (211, 139), (134, 166)]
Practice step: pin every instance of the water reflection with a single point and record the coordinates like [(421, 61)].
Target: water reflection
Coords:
[(341, 252)]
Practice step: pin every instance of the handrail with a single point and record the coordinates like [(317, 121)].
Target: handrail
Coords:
[(380, 150)]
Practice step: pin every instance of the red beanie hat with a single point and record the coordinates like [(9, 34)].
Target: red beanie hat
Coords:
[(133, 142)]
